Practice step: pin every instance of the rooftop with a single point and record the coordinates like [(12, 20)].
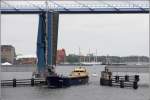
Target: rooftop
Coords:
[(26, 56)]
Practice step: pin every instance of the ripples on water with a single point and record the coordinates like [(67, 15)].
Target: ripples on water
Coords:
[(91, 91)]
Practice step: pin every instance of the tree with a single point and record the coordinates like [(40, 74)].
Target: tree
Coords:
[(71, 58)]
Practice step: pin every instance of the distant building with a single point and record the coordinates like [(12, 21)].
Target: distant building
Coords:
[(8, 54), (26, 60), (61, 55)]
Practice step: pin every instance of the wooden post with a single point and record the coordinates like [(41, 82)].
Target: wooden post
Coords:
[(126, 78), (117, 78), (136, 78), (14, 82), (32, 81), (135, 85), (121, 84)]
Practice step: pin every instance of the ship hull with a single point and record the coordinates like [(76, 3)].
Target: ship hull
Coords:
[(60, 81)]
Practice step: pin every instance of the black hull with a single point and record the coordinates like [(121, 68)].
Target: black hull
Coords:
[(105, 82), (59, 82)]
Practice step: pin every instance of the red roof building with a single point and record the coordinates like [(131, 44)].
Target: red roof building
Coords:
[(61, 55)]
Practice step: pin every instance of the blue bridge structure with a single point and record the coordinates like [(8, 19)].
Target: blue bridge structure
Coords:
[(49, 10), (75, 6)]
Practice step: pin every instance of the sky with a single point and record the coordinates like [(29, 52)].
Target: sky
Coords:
[(108, 34)]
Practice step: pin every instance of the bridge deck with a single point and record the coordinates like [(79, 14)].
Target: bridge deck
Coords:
[(75, 6)]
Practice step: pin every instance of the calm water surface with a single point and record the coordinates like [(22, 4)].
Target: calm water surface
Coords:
[(91, 91)]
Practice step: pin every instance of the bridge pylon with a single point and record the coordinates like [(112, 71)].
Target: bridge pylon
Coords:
[(47, 42)]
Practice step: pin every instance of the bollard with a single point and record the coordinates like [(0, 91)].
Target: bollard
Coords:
[(135, 85), (14, 82), (126, 78), (117, 78), (121, 84), (136, 78), (32, 81)]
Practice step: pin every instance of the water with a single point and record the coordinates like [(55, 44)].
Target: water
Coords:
[(91, 91)]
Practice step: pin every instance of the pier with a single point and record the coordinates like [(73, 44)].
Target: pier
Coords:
[(23, 82), (122, 81), (108, 79)]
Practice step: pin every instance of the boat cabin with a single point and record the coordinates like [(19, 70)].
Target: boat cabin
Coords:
[(106, 74), (79, 71)]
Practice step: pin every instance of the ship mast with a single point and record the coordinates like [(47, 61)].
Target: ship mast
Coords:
[(79, 57), (89, 56), (96, 56), (46, 34)]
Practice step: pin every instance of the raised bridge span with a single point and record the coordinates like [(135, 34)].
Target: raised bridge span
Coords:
[(49, 11)]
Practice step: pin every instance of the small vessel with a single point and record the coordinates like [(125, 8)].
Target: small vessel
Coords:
[(78, 76), (94, 75), (106, 76), (107, 79)]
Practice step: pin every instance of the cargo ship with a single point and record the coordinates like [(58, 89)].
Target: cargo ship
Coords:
[(78, 76)]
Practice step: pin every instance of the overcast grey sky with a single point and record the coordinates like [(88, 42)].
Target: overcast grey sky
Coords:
[(113, 34)]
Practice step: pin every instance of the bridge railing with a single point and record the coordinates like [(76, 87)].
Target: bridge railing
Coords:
[(70, 4)]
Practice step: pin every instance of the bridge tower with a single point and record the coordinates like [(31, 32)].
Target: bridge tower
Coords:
[(47, 42)]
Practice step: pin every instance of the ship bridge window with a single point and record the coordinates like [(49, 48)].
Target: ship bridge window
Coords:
[(79, 71)]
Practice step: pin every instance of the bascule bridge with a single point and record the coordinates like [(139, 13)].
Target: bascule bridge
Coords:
[(49, 11)]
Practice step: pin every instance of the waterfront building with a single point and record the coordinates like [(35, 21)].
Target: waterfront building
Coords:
[(27, 59), (61, 56), (8, 54)]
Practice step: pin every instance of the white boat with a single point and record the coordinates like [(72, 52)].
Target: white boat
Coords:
[(94, 75), (6, 63)]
